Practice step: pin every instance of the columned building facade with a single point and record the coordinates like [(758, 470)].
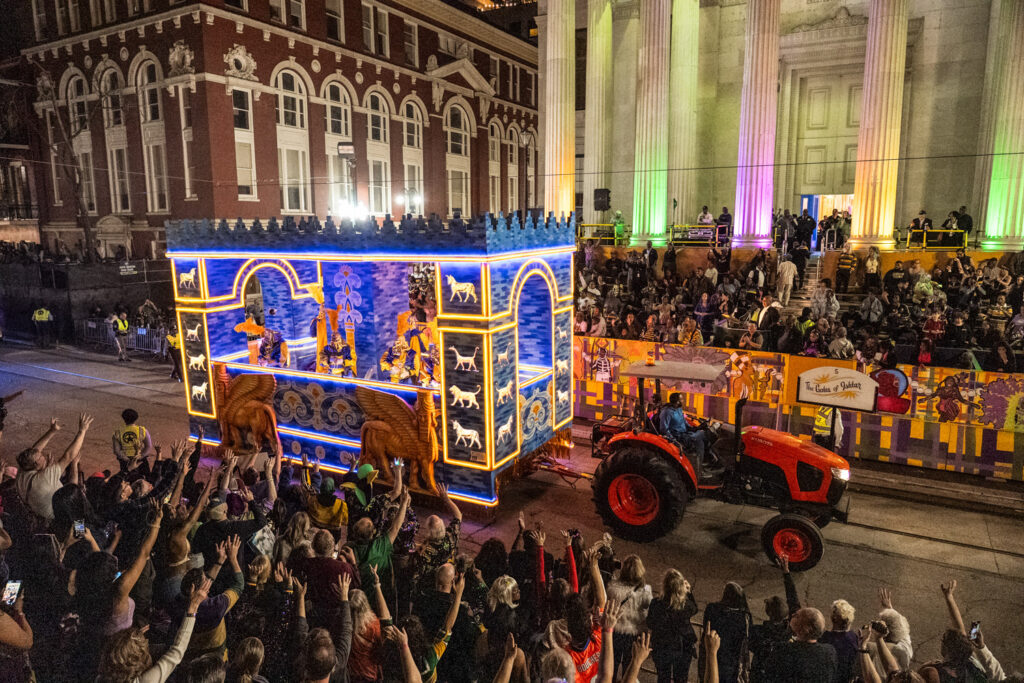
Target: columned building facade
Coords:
[(238, 108), (876, 106)]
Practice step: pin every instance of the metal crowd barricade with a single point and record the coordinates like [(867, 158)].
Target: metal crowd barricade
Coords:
[(99, 334), (614, 234), (698, 234), (936, 239), (95, 332), (146, 339)]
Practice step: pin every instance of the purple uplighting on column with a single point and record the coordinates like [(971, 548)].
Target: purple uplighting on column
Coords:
[(755, 175)]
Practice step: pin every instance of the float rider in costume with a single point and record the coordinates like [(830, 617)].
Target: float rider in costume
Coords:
[(270, 349), (336, 357), (429, 364)]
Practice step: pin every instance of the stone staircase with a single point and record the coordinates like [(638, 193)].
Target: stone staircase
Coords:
[(802, 297)]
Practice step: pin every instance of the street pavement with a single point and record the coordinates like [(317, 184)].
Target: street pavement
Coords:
[(907, 547)]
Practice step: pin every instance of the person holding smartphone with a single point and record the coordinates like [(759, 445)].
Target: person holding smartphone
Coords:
[(15, 635)]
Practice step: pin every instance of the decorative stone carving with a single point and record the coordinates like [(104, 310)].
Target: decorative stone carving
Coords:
[(123, 54), (315, 66), (431, 63), (841, 19), (437, 94), (88, 62), (44, 87), (239, 63), (180, 59), (396, 88), (462, 51), (485, 106), (360, 78)]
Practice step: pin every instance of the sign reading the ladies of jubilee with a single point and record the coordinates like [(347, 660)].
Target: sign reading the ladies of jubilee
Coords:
[(838, 387)]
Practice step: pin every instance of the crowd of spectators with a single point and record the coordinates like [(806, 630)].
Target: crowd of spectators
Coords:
[(257, 569), (32, 252), (973, 312)]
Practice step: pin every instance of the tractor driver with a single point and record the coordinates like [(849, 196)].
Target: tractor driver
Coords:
[(672, 423)]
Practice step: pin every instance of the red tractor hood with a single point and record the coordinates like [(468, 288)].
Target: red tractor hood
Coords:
[(757, 439)]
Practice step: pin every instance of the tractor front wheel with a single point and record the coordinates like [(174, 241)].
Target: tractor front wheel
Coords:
[(639, 494), (795, 538)]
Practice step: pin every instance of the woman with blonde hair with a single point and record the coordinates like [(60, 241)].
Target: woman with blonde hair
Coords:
[(367, 634), (126, 659), (843, 640), (296, 533), (673, 641), (632, 593)]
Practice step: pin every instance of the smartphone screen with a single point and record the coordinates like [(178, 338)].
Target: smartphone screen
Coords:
[(79, 528), (11, 591), (975, 627)]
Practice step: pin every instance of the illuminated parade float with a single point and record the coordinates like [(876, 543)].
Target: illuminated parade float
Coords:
[(316, 329)]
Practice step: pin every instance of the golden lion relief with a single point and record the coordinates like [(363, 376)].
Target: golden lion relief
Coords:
[(393, 429)]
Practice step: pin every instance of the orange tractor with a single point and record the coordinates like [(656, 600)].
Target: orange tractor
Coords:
[(642, 486)]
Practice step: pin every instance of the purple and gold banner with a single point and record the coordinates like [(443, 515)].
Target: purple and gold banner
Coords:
[(936, 418)]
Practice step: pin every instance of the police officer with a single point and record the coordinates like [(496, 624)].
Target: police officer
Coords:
[(43, 321), (174, 351), (131, 441), (121, 337)]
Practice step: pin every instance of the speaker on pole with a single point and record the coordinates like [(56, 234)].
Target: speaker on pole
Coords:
[(602, 199)]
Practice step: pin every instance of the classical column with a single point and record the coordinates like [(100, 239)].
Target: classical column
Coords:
[(752, 215), (978, 204), (878, 140), (1004, 217), (598, 115), (650, 173), (560, 108), (682, 130)]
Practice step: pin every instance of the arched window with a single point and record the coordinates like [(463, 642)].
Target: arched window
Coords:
[(110, 90), (513, 146), (377, 119), (458, 131), (149, 92), (413, 126), (339, 111), (291, 100), (494, 143), (77, 112)]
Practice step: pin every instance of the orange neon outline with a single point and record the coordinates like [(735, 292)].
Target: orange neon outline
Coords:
[(444, 416), (209, 368), (177, 295), (517, 292), (334, 378), (484, 296)]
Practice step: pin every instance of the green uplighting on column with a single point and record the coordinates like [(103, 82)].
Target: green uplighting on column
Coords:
[(1004, 218)]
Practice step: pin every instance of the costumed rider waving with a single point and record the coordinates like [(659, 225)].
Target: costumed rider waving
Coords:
[(337, 357), (270, 349)]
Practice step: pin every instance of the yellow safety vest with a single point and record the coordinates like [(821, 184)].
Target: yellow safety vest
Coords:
[(823, 421), (174, 341), (41, 315), (122, 326), (132, 439)]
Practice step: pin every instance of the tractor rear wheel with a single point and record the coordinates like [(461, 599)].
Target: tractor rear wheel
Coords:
[(795, 538), (639, 494)]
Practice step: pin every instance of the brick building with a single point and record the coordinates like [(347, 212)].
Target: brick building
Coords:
[(253, 108)]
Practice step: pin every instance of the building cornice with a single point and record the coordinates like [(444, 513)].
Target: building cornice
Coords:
[(196, 9), (193, 12)]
